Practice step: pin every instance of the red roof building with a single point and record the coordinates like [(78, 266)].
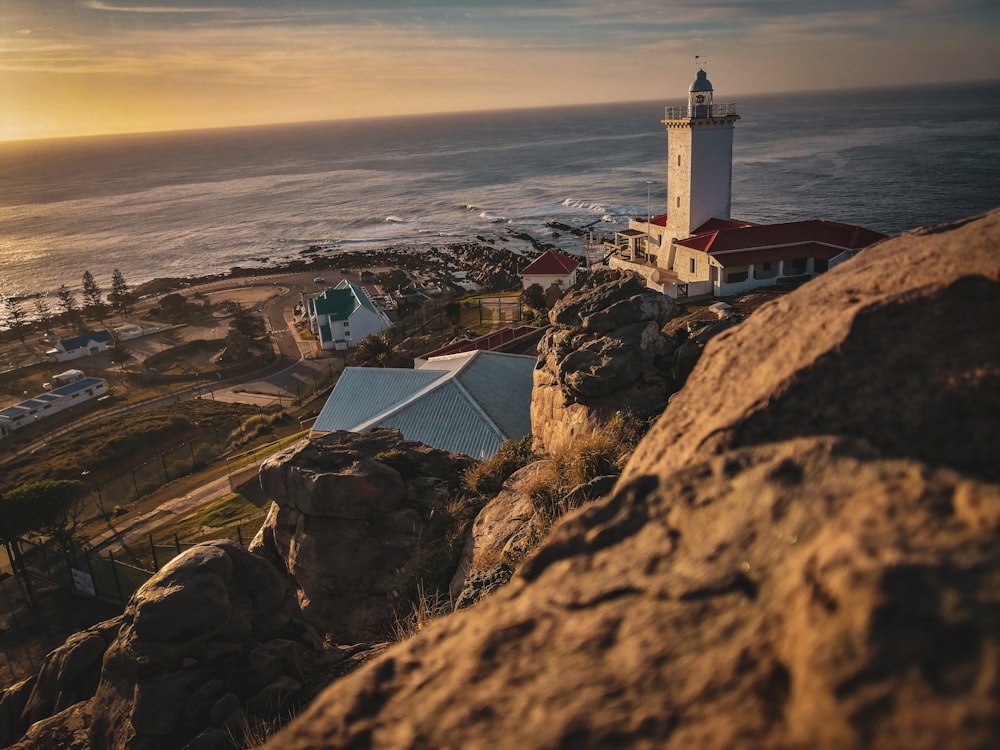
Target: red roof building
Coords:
[(695, 248), (551, 267)]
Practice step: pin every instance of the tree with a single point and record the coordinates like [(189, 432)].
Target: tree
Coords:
[(93, 300), (118, 353), (15, 318), (50, 507), (67, 301), (374, 350), (453, 309), (119, 296), (250, 325), (534, 297), (43, 311)]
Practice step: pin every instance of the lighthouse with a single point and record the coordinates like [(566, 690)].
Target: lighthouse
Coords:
[(696, 248), (699, 160)]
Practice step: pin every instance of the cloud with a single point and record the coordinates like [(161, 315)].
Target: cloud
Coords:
[(97, 5)]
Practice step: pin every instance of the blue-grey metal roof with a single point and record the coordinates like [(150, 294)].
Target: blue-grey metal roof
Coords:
[(56, 394), (467, 403), (501, 385), (98, 337), (79, 385), (363, 393)]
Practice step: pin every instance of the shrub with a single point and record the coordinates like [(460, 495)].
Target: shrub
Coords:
[(488, 476), (592, 450)]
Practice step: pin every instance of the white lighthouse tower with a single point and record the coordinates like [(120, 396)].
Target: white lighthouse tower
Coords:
[(699, 160)]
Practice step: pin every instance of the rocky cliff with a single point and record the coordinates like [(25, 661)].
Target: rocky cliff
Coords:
[(603, 353), (356, 521), (802, 553)]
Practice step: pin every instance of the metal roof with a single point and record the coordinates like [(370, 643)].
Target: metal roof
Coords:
[(701, 82), (466, 403), (98, 337)]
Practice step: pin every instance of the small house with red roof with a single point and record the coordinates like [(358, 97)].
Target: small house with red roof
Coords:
[(551, 267), (695, 248)]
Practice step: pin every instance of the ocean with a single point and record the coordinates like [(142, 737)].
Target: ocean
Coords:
[(200, 202)]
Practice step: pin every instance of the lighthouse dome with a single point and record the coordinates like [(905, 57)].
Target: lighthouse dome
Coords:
[(701, 82)]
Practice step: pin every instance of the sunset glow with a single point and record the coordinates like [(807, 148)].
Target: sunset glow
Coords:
[(74, 67)]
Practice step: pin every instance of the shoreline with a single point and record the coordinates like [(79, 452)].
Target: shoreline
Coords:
[(484, 260)]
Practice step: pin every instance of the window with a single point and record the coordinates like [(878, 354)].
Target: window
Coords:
[(692, 265), (678, 201), (678, 160)]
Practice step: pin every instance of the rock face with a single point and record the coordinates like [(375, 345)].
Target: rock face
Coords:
[(798, 555), (68, 675), (604, 353), (353, 522), (195, 633), (504, 531)]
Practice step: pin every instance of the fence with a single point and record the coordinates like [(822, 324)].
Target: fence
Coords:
[(116, 576)]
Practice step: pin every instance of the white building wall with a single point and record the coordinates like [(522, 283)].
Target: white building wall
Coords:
[(711, 173), (363, 322), (699, 173), (545, 280)]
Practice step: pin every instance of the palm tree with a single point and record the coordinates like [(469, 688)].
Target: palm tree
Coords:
[(374, 350)]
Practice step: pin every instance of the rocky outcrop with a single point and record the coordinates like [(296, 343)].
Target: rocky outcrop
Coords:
[(802, 553), (505, 530), (202, 647), (357, 520), (603, 354)]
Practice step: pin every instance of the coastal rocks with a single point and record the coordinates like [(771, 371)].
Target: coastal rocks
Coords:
[(603, 354), (491, 268), (356, 520), (807, 581), (187, 638)]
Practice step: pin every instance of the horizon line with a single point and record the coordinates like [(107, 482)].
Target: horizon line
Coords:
[(436, 113)]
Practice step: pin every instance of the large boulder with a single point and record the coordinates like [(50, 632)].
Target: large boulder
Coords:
[(69, 673), (790, 595), (797, 556), (604, 353), (186, 641), (356, 520)]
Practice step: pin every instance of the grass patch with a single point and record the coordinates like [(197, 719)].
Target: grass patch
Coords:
[(226, 511), (595, 449), (487, 477)]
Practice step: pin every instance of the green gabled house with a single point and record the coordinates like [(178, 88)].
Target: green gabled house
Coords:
[(340, 317)]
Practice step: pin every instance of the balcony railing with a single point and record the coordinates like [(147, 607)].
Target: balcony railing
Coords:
[(701, 110)]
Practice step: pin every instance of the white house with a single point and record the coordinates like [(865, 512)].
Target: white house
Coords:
[(52, 402), (551, 267), (91, 342), (343, 315), (695, 248)]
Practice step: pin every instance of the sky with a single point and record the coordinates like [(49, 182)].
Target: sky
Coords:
[(81, 67)]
